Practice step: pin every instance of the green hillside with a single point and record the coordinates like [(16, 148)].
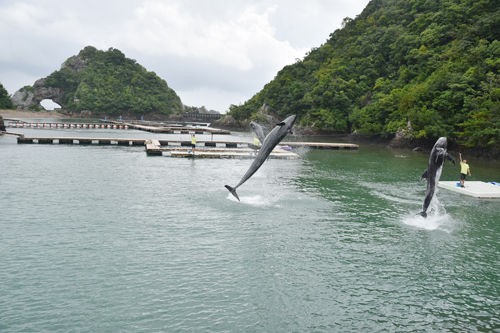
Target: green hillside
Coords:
[(5, 101), (106, 82), (423, 68)]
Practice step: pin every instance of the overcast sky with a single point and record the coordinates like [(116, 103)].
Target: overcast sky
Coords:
[(213, 53)]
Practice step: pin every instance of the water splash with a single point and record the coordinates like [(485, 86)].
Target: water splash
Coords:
[(255, 200), (437, 218)]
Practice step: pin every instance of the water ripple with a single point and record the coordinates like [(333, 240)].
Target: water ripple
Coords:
[(97, 239)]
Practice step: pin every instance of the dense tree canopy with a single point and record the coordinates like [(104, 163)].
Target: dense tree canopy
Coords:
[(427, 67), (5, 101), (107, 82)]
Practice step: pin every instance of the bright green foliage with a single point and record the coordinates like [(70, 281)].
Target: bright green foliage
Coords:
[(5, 101), (106, 82), (429, 65)]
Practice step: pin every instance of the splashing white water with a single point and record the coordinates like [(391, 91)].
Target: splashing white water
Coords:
[(255, 200), (437, 218)]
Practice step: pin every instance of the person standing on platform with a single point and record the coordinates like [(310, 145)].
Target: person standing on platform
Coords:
[(193, 143), (464, 170)]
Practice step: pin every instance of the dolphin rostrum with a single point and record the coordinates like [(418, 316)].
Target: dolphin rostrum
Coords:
[(433, 172), (268, 144), (258, 130)]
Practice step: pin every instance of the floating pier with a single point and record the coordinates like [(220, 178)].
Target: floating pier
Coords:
[(154, 148), (39, 125), (164, 144), (120, 126), (182, 148), (240, 153), (178, 129), (321, 145), (80, 141), (476, 189)]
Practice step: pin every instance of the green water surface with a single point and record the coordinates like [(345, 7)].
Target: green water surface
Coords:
[(106, 239)]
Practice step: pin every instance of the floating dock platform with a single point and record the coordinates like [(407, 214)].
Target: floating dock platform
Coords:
[(240, 153), (234, 150), (182, 148), (177, 129), (119, 125), (476, 189), (320, 145)]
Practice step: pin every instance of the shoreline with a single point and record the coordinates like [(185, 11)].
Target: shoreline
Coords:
[(5, 113), (424, 146)]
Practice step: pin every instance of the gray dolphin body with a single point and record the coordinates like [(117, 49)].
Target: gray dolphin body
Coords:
[(433, 172), (258, 130), (270, 141)]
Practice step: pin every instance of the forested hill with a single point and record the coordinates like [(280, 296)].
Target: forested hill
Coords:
[(5, 102), (422, 68), (105, 83)]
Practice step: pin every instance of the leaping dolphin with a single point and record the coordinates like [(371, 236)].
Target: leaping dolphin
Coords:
[(433, 172), (270, 141), (258, 130)]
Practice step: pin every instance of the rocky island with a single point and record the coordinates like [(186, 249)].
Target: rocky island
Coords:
[(98, 83)]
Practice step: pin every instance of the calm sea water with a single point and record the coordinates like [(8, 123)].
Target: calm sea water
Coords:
[(106, 239)]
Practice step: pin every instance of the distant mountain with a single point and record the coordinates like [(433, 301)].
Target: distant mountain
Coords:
[(418, 69), (103, 83)]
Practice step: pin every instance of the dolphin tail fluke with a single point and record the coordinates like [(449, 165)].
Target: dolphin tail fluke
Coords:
[(423, 214), (233, 191)]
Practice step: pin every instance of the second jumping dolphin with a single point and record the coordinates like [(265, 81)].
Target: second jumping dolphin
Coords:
[(270, 141)]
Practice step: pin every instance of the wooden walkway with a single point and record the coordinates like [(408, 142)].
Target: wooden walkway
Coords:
[(474, 189)]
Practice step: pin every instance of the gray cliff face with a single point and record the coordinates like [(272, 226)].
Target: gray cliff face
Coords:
[(28, 97)]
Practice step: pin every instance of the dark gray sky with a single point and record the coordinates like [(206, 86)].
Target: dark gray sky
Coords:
[(213, 53)]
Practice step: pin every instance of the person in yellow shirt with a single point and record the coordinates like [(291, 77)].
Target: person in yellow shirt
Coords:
[(464, 170), (193, 143)]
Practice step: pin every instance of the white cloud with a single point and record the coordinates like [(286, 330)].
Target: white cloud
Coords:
[(213, 53), (239, 41)]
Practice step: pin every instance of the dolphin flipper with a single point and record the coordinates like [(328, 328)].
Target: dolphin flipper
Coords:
[(233, 191)]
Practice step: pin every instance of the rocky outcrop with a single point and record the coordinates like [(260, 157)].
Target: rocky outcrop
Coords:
[(2, 125), (30, 97), (403, 138)]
